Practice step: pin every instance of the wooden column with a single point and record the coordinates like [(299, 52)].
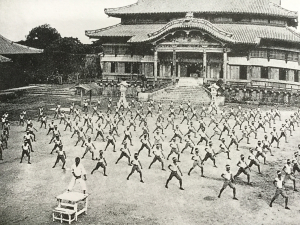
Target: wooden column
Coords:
[(178, 70), (155, 64), (174, 65), (204, 64), (225, 59)]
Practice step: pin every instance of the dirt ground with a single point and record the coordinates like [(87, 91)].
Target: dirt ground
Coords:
[(28, 191)]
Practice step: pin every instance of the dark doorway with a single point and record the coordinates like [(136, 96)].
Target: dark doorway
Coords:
[(243, 72), (192, 70)]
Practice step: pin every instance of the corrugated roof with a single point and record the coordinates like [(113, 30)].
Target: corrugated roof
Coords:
[(241, 33), (9, 47), (258, 7), (4, 59)]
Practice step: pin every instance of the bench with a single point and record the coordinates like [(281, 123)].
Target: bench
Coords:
[(58, 214)]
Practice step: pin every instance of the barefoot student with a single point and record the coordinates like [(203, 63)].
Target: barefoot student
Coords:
[(61, 155), (79, 175), (174, 167), (26, 151), (101, 163), (136, 166), (279, 184), (228, 181)]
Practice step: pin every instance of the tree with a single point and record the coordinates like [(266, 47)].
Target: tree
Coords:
[(41, 37), (67, 45)]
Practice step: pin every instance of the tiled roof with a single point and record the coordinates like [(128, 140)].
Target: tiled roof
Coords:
[(239, 33), (258, 7), (120, 30), (9, 47), (251, 33), (4, 59)]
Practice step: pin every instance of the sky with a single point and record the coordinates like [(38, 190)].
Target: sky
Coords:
[(70, 17)]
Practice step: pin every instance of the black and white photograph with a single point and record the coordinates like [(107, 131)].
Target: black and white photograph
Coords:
[(150, 112)]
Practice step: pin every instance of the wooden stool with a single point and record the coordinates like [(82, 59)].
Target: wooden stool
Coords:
[(61, 212)]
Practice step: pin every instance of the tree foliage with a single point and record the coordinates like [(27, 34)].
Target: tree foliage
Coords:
[(63, 56), (41, 37), (68, 45)]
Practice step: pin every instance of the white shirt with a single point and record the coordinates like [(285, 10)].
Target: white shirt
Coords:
[(174, 167), (279, 182), (288, 169), (197, 157), (242, 164), (78, 170), (227, 175), (157, 152)]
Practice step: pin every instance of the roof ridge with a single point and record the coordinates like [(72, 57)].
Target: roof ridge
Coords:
[(280, 7), (122, 7), (87, 32)]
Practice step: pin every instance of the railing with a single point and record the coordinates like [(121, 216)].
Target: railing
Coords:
[(263, 84), (259, 84), (121, 76)]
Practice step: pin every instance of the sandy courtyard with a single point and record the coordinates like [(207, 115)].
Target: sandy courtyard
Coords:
[(28, 191)]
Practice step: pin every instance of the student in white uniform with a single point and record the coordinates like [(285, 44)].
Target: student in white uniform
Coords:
[(174, 168), (279, 184), (197, 162), (243, 168), (228, 181), (79, 175), (158, 156), (288, 170), (61, 155), (26, 151), (101, 163), (136, 166)]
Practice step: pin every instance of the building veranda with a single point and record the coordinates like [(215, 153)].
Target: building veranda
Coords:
[(251, 45)]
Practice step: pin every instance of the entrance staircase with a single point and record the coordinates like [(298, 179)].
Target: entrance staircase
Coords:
[(186, 89), (53, 90)]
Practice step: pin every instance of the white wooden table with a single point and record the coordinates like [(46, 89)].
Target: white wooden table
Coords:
[(71, 200)]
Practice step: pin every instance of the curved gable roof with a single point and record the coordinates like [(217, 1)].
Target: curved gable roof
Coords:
[(256, 7)]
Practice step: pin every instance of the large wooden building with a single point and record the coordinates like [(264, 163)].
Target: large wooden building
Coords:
[(239, 41)]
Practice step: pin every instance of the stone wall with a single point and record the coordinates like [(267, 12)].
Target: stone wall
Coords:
[(234, 95)]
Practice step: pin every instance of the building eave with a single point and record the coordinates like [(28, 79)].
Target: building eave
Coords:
[(8, 47)]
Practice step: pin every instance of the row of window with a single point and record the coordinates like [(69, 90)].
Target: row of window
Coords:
[(120, 67), (116, 50), (275, 54), (257, 72), (270, 73)]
